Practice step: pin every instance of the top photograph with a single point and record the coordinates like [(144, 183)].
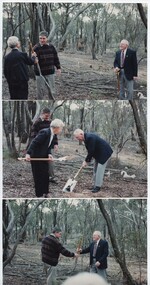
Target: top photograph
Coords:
[(57, 51)]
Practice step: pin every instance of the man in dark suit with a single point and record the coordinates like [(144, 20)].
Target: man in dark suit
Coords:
[(125, 64), (98, 250), (16, 71), (98, 149), (41, 123), (40, 147)]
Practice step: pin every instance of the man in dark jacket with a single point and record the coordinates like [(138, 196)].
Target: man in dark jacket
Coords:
[(16, 71), (125, 64), (51, 249), (98, 149), (98, 250), (41, 123), (40, 147), (48, 61)]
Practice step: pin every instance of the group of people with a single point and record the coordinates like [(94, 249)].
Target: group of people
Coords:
[(98, 249), (43, 139), (45, 60)]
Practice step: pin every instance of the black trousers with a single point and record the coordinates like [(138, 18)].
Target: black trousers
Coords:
[(40, 170), (19, 92)]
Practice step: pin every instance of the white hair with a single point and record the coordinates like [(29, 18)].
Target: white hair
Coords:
[(77, 132), (12, 42), (97, 233), (56, 123), (125, 42), (85, 278)]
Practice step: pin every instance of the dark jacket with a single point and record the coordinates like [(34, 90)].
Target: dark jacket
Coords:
[(130, 63), (97, 148), (37, 126), (39, 146), (15, 67), (51, 249), (48, 59), (101, 253)]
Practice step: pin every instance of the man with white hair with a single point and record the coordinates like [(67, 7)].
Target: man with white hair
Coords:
[(16, 71), (43, 122), (98, 149), (85, 278), (98, 250), (125, 65), (40, 147)]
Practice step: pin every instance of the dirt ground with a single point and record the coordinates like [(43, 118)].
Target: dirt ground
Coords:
[(84, 78), (18, 180), (26, 268)]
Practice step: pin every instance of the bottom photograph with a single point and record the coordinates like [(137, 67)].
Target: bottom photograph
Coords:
[(75, 241)]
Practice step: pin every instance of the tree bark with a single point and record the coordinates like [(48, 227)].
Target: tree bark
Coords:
[(142, 14), (141, 135)]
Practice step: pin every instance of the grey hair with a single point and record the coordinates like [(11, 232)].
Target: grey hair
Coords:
[(125, 42), (56, 123), (12, 42), (85, 278), (77, 132), (97, 233), (43, 33)]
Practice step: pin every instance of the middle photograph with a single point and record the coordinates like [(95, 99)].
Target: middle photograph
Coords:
[(74, 149)]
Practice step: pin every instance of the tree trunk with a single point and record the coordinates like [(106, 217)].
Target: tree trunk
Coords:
[(94, 40), (21, 232), (69, 27), (142, 14), (139, 127), (126, 274)]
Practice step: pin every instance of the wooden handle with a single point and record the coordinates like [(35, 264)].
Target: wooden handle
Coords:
[(44, 158), (34, 158), (78, 172)]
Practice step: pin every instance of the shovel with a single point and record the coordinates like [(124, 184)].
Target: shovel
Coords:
[(71, 183)]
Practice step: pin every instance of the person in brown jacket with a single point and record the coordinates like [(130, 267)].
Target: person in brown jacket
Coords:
[(51, 249)]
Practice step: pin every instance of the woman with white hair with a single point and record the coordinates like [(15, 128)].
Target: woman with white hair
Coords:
[(85, 278), (16, 71), (40, 147)]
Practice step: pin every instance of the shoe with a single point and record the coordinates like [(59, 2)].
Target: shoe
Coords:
[(96, 189), (52, 180), (45, 195)]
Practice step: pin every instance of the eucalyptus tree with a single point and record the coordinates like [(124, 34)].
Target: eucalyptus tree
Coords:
[(113, 217)]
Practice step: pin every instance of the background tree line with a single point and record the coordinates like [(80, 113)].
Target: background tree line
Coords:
[(122, 222), (117, 122), (93, 28)]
